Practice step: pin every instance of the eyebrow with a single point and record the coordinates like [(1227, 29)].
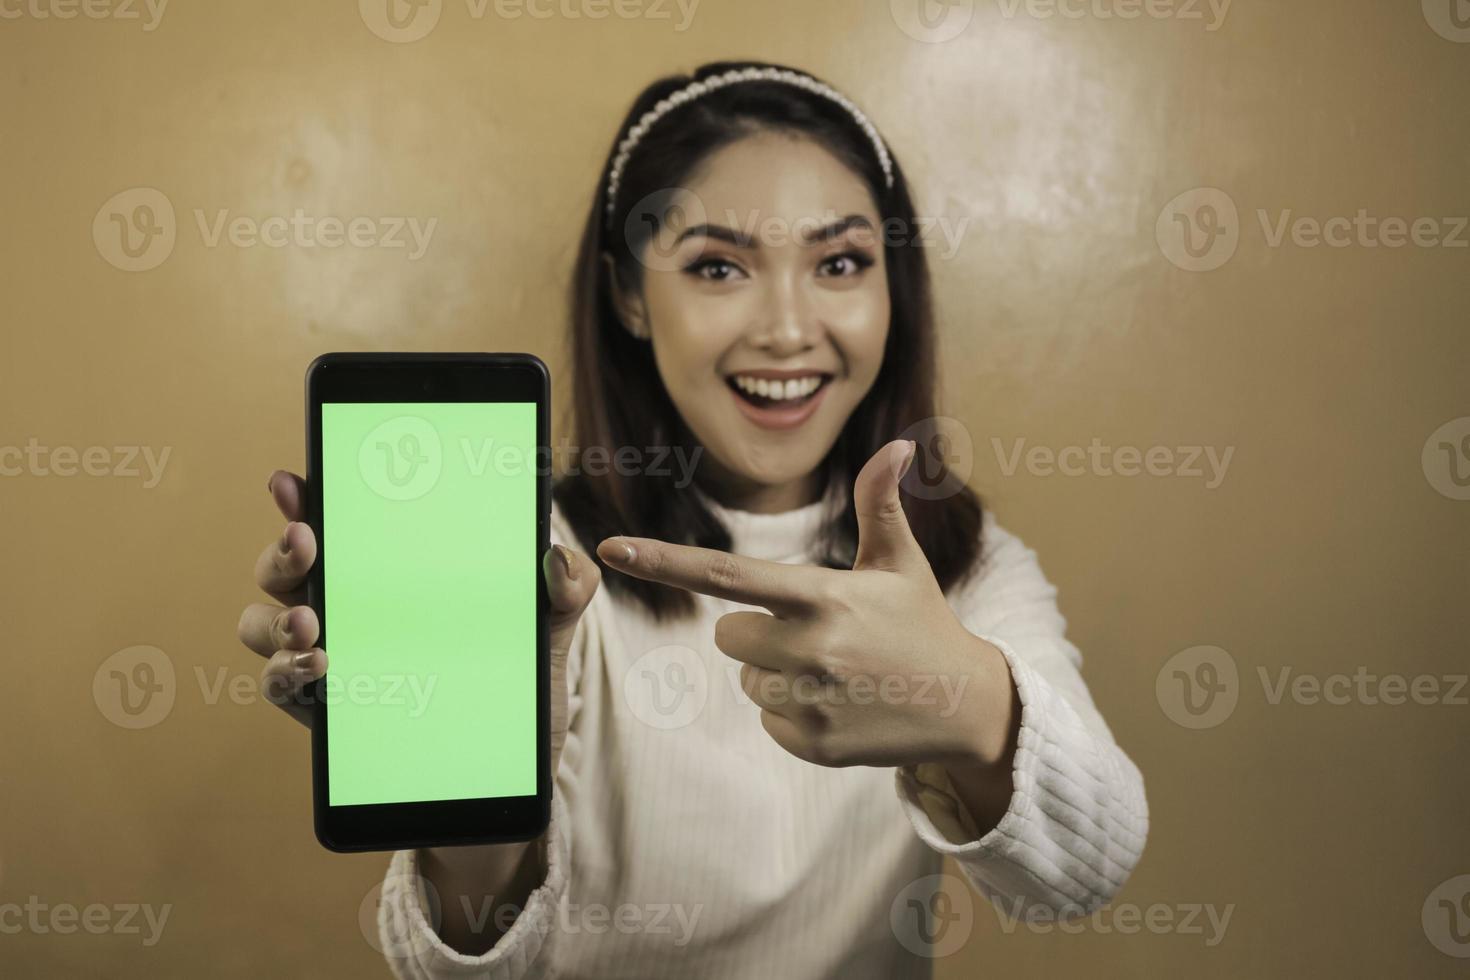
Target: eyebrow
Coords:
[(741, 240)]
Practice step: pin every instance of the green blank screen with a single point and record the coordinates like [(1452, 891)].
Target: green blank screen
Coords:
[(429, 538)]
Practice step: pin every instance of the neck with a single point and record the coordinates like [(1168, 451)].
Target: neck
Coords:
[(739, 493)]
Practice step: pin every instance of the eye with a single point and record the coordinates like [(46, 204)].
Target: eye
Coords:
[(715, 270), (846, 264)]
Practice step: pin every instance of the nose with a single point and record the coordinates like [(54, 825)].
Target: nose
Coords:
[(787, 323)]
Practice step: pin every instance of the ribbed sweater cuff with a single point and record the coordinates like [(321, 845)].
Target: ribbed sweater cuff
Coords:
[(413, 948), (1075, 825)]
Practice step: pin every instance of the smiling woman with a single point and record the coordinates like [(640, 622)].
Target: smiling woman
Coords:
[(745, 722), (736, 239)]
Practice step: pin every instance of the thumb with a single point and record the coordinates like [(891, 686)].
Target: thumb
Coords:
[(571, 582), (884, 538)]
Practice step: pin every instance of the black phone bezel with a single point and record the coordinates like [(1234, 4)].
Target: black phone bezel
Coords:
[(407, 377)]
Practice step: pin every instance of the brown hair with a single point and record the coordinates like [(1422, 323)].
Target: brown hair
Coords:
[(619, 400)]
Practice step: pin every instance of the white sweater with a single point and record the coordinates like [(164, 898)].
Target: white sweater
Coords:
[(684, 842)]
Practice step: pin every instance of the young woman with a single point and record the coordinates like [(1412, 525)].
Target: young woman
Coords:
[(877, 677)]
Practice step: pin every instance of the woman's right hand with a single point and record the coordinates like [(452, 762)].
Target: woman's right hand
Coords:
[(285, 631)]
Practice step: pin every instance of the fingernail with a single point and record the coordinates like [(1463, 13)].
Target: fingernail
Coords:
[(286, 539), (909, 459), (568, 566), (304, 662), (269, 481), (622, 551)]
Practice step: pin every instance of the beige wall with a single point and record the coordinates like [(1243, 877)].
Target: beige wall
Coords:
[(1326, 548)]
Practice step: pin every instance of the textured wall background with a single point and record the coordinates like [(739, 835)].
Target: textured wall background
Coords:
[(1056, 139)]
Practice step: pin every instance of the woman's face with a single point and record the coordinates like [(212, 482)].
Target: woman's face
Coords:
[(768, 311)]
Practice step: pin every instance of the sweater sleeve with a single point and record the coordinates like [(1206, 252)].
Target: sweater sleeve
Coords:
[(408, 909), (1077, 818)]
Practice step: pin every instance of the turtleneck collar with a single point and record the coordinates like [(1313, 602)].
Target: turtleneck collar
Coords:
[(788, 536)]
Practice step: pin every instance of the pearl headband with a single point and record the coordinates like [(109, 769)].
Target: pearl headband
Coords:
[(693, 91)]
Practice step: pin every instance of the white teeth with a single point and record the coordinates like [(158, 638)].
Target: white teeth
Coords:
[(778, 390)]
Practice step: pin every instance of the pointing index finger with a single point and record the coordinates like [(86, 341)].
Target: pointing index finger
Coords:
[(779, 588)]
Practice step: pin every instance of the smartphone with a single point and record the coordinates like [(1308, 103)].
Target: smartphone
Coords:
[(428, 487)]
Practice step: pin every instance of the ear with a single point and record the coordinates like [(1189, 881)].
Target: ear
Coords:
[(627, 304)]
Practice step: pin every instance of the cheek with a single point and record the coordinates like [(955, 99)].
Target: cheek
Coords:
[(691, 331), (858, 322)]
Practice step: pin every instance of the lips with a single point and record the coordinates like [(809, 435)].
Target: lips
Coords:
[(778, 399)]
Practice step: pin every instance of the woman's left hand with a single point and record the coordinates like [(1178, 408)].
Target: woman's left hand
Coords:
[(863, 667)]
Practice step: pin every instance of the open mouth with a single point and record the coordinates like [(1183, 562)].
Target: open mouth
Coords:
[(777, 393)]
